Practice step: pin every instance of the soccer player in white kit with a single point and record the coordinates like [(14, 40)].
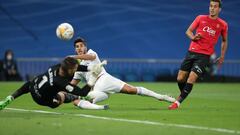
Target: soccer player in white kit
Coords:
[(106, 84)]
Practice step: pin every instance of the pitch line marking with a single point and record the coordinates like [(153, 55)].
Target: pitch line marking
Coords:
[(221, 130)]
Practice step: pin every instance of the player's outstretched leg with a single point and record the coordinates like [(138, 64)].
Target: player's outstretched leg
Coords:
[(6, 102), (128, 89), (87, 105), (146, 92), (185, 92), (19, 92)]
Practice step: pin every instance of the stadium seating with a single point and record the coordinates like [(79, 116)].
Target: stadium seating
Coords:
[(116, 29)]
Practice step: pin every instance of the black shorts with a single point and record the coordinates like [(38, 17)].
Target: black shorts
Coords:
[(50, 101), (195, 62)]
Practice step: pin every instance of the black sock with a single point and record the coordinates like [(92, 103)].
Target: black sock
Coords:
[(181, 85), (186, 90), (22, 90), (69, 97)]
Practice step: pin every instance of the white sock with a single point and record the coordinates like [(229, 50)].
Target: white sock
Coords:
[(145, 92), (87, 105), (178, 103), (97, 96)]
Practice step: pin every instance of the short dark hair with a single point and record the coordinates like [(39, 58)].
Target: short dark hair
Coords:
[(80, 39), (8, 52), (68, 63), (219, 1)]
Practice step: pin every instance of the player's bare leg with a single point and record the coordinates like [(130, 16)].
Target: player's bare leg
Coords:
[(186, 90), (128, 89), (182, 79)]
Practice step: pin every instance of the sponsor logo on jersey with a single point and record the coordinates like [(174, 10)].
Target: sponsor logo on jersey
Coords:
[(209, 30)]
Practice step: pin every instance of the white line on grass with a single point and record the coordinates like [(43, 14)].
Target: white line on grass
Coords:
[(222, 130)]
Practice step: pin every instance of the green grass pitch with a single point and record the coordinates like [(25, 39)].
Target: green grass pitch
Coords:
[(210, 106)]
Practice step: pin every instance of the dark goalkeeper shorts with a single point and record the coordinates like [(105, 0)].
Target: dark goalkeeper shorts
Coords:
[(195, 62), (49, 101)]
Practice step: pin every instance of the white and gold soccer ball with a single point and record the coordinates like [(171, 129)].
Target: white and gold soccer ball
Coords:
[(65, 31)]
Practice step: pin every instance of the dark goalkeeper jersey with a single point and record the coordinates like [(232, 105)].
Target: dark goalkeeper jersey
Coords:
[(47, 85)]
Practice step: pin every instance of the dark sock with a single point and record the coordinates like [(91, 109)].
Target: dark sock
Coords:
[(181, 85), (186, 90), (69, 97), (22, 90)]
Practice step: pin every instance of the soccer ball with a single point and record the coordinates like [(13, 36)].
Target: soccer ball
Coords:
[(65, 31)]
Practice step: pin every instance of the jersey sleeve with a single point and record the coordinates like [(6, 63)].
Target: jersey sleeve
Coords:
[(91, 52), (195, 23), (82, 68)]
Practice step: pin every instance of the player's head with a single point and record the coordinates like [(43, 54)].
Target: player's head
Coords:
[(9, 55), (80, 46), (215, 7), (69, 66)]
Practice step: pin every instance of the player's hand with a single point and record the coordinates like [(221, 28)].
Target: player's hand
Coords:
[(197, 37), (220, 60), (97, 69)]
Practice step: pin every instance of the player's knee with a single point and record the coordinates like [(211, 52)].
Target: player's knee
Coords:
[(182, 76), (97, 96), (192, 78)]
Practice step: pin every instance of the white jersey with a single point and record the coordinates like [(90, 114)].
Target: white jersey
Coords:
[(84, 76), (105, 82)]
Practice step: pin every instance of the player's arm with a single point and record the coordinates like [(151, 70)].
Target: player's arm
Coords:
[(78, 91), (191, 36), (75, 82), (85, 90), (68, 87), (191, 29), (224, 46), (83, 68), (85, 56)]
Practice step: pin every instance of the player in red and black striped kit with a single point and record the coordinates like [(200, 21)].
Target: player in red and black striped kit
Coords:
[(207, 29)]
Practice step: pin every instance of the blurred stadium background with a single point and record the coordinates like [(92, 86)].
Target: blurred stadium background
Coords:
[(143, 40)]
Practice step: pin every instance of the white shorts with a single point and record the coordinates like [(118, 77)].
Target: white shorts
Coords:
[(108, 84)]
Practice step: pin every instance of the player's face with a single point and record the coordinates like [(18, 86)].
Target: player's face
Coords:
[(80, 48), (71, 71), (214, 9)]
